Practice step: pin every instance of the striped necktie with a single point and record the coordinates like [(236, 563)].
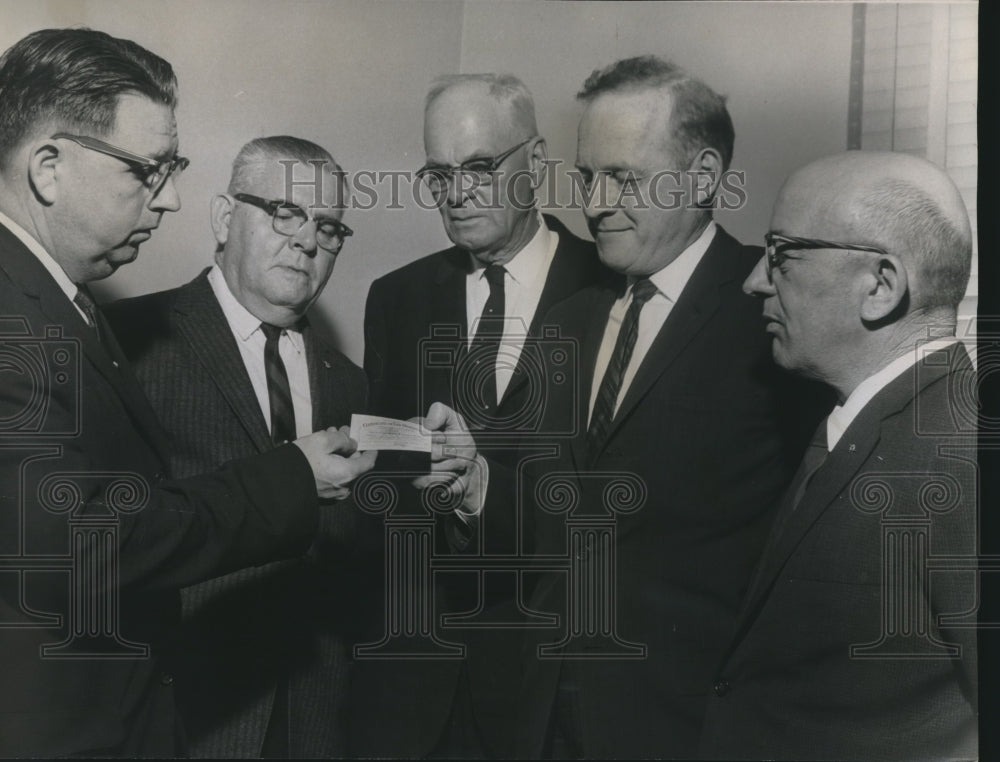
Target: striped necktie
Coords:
[(607, 396), (279, 394)]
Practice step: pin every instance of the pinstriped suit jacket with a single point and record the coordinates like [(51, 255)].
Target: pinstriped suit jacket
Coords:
[(244, 631)]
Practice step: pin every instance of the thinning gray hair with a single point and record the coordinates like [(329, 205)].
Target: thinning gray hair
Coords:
[(262, 150), (506, 89)]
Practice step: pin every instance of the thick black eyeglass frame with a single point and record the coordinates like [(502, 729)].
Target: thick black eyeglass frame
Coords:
[(271, 206), (775, 246)]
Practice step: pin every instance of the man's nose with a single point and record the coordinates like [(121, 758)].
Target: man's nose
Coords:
[(758, 283), (305, 238), (167, 198)]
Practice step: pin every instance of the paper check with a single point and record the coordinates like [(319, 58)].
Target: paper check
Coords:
[(374, 433)]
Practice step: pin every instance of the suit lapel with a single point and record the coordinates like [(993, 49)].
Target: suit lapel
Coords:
[(200, 320), (566, 275), (35, 282), (834, 477), (698, 301), (448, 315)]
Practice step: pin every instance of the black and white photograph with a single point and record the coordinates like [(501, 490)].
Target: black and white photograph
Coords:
[(494, 379)]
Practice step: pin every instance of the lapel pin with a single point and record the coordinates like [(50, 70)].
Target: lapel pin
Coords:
[(852, 448), (326, 364)]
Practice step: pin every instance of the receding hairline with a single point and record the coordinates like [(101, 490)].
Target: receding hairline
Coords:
[(505, 90)]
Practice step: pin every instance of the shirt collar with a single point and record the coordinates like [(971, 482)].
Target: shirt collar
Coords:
[(671, 279), (67, 286), (243, 322), (531, 261), (842, 416)]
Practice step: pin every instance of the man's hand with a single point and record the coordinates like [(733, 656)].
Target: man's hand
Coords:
[(455, 463), (334, 460)]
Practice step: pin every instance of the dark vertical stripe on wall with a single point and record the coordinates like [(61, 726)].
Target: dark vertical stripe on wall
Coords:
[(855, 100)]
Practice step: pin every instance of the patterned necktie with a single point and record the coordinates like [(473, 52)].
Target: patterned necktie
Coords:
[(279, 394), (86, 303), (486, 344), (611, 384)]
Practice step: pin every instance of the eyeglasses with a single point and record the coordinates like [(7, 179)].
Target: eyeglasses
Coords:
[(288, 219), (776, 247), (479, 171), (152, 173)]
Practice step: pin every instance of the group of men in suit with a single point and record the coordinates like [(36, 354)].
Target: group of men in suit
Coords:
[(737, 607)]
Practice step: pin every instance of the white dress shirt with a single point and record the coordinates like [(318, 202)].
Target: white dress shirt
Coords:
[(67, 286), (843, 415), (669, 281), (250, 340), (523, 284)]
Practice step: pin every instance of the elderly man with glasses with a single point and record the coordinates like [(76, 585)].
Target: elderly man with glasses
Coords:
[(857, 638), (98, 532), (479, 303), (233, 368)]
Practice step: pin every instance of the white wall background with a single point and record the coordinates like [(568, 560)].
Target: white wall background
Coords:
[(351, 75)]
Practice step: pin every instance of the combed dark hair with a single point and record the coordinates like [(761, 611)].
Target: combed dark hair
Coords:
[(907, 221), (73, 78), (261, 150), (699, 117)]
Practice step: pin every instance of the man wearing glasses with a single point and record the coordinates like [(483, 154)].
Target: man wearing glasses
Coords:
[(234, 368), (847, 646), (98, 534), (680, 402), (479, 303)]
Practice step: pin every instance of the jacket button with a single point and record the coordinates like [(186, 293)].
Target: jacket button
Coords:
[(166, 679), (721, 688)]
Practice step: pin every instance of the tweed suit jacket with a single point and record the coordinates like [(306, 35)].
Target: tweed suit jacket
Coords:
[(246, 630), (83, 454), (848, 645), (414, 315)]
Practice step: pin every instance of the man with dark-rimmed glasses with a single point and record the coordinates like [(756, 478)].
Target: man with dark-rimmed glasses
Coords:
[(854, 641), (481, 302), (98, 533), (256, 372)]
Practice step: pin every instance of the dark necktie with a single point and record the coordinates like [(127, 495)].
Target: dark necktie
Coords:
[(488, 335), (813, 458), (611, 384), (278, 393), (87, 304)]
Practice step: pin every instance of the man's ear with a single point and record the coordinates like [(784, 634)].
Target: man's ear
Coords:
[(538, 161), (44, 168), (705, 174), (886, 289), (222, 212)]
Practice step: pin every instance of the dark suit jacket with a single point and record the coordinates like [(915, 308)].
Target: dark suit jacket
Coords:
[(72, 407), (400, 708), (246, 629), (790, 686), (699, 433)]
